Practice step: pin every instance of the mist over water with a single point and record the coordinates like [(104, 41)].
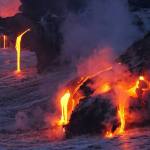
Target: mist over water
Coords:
[(102, 24)]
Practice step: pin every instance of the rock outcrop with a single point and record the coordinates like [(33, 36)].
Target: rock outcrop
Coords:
[(136, 57), (92, 116), (138, 4)]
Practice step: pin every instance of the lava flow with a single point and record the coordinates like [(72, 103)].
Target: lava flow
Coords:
[(121, 89), (67, 96), (121, 129), (132, 92), (4, 41), (18, 49), (121, 113), (64, 107)]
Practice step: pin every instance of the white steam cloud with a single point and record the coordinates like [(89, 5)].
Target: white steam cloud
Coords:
[(104, 23)]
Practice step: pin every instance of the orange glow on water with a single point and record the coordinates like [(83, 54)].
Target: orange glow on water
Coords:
[(18, 49), (109, 134)]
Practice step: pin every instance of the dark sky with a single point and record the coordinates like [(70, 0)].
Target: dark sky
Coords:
[(9, 7)]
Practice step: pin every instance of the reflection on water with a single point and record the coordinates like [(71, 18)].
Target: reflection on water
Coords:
[(135, 139)]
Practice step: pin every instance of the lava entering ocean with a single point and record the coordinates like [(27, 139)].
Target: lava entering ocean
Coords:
[(5, 40), (121, 85), (64, 108), (18, 49)]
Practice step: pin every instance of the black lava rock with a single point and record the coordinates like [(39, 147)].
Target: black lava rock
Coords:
[(92, 116)]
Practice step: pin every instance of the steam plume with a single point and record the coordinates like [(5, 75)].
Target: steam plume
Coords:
[(102, 24)]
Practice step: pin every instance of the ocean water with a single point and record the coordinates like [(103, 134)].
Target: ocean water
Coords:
[(21, 92)]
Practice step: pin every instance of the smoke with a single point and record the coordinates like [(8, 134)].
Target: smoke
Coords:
[(22, 121), (102, 24), (39, 119), (9, 8), (98, 60), (30, 119)]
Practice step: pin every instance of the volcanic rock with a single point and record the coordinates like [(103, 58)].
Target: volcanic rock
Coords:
[(92, 116), (138, 4), (136, 57)]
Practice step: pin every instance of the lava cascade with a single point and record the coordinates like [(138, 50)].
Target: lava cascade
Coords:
[(18, 49)]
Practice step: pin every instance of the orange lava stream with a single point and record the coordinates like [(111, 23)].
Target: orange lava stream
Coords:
[(67, 96), (18, 49), (121, 129), (121, 113), (4, 39), (89, 77), (64, 108)]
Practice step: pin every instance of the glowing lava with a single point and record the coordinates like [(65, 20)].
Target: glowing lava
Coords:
[(123, 92), (67, 96), (132, 91), (4, 41), (103, 89), (121, 113), (18, 49), (64, 107), (109, 134), (121, 129)]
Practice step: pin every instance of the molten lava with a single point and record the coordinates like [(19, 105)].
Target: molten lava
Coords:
[(132, 91), (4, 41), (64, 108), (121, 128), (122, 90), (109, 134), (121, 113), (67, 96), (103, 89), (18, 49)]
